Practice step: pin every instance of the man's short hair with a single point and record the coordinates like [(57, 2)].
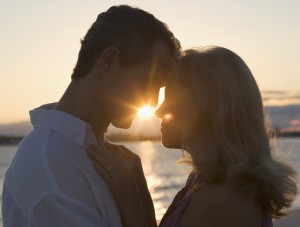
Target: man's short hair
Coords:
[(132, 30)]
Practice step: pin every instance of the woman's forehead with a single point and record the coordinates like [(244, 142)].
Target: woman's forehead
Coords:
[(174, 88)]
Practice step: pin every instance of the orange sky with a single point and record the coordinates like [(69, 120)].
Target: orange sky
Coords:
[(40, 42)]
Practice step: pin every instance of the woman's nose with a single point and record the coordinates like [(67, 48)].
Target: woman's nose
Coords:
[(160, 111), (163, 113)]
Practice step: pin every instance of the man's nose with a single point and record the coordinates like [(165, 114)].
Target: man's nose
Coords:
[(153, 102)]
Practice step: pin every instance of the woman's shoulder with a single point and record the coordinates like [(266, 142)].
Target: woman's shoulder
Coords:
[(222, 205)]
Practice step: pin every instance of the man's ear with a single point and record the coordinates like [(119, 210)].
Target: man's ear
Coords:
[(109, 58)]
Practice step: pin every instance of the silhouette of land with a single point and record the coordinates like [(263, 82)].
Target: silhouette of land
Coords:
[(14, 140), (10, 140), (131, 137)]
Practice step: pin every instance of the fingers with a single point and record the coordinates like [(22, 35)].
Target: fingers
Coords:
[(102, 156), (130, 154), (103, 173), (124, 151), (101, 165), (107, 170), (99, 159), (116, 152), (109, 163), (134, 160), (113, 147)]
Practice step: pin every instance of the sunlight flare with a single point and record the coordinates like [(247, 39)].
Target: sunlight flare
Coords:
[(161, 96), (146, 112), (168, 117)]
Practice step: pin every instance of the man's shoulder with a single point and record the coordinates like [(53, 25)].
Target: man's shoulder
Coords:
[(35, 138), (40, 139), (33, 156)]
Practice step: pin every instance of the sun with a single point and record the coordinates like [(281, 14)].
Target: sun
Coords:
[(146, 112)]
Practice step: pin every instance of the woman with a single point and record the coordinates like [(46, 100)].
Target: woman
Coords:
[(213, 110)]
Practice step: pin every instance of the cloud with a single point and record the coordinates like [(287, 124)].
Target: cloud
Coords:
[(280, 98), (273, 92), (285, 117), (295, 122)]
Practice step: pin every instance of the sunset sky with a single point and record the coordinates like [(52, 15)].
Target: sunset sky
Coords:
[(40, 40)]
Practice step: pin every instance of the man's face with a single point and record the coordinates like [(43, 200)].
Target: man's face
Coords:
[(136, 86)]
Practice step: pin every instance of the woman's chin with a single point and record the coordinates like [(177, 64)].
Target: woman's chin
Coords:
[(170, 142)]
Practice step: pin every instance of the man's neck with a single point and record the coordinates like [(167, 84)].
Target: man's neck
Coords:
[(78, 100)]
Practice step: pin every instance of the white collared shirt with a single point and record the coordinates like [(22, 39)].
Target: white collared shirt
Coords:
[(51, 181)]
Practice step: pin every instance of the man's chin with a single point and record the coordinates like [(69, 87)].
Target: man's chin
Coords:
[(119, 123)]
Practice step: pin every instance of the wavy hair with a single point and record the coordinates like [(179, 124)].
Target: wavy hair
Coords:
[(230, 142), (130, 29)]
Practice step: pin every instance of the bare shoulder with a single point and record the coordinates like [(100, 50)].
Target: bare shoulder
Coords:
[(221, 205)]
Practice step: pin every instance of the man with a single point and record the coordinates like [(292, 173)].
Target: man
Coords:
[(122, 63)]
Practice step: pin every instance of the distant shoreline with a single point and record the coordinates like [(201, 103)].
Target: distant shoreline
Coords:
[(291, 220), (15, 140), (10, 140), (123, 137)]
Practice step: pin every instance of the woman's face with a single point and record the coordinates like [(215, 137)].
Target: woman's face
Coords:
[(175, 113)]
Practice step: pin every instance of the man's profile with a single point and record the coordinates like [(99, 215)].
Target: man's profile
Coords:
[(123, 61)]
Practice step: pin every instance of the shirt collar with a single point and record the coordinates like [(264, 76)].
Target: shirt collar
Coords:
[(76, 129)]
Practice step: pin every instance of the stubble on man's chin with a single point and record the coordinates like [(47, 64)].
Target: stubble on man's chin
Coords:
[(124, 123), (171, 142)]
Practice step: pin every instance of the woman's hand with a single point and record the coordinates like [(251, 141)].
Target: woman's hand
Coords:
[(123, 173), (140, 180)]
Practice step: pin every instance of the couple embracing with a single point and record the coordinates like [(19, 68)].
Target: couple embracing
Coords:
[(65, 173)]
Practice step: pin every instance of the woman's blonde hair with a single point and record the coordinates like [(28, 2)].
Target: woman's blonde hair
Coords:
[(229, 140)]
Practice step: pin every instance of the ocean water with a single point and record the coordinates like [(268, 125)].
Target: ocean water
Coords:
[(164, 176)]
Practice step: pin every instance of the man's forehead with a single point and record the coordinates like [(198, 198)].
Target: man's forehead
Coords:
[(164, 70), (162, 64)]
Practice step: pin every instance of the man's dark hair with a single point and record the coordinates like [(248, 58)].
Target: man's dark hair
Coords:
[(132, 30)]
